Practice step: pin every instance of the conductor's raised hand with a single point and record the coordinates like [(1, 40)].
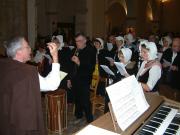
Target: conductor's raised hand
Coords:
[(53, 48)]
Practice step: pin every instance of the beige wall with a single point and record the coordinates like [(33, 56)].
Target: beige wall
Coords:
[(141, 18), (98, 23), (31, 22), (89, 14), (171, 16), (13, 19)]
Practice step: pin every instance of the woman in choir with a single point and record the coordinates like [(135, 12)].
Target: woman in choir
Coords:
[(150, 69), (125, 57), (130, 42), (119, 44), (100, 60), (166, 43)]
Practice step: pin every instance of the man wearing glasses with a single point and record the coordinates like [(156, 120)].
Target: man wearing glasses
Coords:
[(20, 99), (84, 60)]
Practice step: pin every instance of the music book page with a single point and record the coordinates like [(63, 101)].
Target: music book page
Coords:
[(107, 70), (109, 59), (93, 130), (127, 100), (62, 75), (121, 68)]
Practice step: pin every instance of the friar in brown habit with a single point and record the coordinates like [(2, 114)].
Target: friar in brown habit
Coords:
[(20, 99)]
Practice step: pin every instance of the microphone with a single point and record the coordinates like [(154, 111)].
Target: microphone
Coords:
[(76, 53)]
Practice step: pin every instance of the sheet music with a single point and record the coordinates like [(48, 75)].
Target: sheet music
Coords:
[(167, 62), (121, 68), (93, 130), (107, 70), (62, 75), (128, 101), (109, 59)]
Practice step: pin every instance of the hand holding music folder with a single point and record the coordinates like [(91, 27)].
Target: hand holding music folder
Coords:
[(121, 68), (107, 70)]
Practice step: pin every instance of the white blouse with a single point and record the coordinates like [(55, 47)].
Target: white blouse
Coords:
[(154, 74), (52, 80)]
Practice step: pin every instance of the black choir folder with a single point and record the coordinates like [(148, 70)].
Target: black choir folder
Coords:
[(127, 104)]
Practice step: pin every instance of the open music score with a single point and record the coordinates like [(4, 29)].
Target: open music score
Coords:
[(127, 100), (93, 130), (159, 119)]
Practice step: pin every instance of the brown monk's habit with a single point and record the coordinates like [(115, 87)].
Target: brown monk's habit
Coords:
[(20, 99)]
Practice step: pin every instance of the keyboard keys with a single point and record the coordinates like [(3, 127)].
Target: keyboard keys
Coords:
[(149, 128), (153, 124), (174, 127), (163, 112), (176, 120), (165, 109), (143, 132), (160, 116), (165, 121), (167, 134), (170, 131), (157, 120)]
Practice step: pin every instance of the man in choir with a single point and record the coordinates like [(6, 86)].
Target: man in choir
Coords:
[(150, 70), (20, 99), (171, 64), (111, 45), (129, 42), (84, 60)]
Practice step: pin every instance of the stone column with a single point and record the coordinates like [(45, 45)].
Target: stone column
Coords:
[(80, 17), (32, 22), (13, 19), (89, 18)]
